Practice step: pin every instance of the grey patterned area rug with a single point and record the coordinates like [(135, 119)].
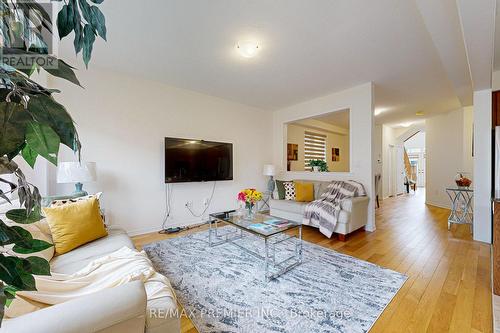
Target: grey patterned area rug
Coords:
[(222, 288)]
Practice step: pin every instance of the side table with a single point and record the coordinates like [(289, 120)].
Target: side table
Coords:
[(461, 206)]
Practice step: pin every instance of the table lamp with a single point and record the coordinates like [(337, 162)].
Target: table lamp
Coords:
[(269, 170), (77, 173)]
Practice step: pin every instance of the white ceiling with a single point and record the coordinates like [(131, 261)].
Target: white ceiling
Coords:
[(337, 118), (307, 49)]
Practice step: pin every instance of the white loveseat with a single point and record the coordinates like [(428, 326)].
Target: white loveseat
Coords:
[(122, 309), (353, 215)]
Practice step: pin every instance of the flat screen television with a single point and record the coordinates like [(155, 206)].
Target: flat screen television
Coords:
[(188, 160)]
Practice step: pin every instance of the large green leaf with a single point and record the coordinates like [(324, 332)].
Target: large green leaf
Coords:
[(46, 110), (36, 245), (65, 20), (43, 140), (14, 271), (85, 8), (29, 155), (62, 70), (14, 235), (98, 21), (39, 266), (13, 121), (88, 42), (20, 216), (10, 294)]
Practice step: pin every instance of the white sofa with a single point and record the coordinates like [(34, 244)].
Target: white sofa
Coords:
[(353, 215), (123, 309)]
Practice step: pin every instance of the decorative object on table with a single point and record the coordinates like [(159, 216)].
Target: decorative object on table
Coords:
[(289, 191), (318, 165), (233, 282), (461, 206), (269, 170), (249, 197), (77, 173), (292, 152), (304, 192), (462, 181), (335, 154)]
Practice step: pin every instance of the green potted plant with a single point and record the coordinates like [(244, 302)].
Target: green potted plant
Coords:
[(318, 165), (32, 122)]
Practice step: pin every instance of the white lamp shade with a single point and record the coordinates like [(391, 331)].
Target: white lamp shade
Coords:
[(269, 170), (76, 172)]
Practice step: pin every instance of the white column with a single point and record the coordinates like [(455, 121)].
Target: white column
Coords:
[(482, 165)]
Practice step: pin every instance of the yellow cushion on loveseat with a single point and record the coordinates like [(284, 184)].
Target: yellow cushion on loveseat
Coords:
[(75, 224), (304, 192)]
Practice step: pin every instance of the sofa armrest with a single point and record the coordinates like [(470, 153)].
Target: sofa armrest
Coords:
[(350, 204), (119, 309)]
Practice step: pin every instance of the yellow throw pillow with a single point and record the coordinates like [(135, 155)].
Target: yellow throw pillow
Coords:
[(75, 224), (304, 192)]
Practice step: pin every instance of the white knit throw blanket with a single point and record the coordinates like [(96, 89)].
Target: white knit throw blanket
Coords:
[(122, 266)]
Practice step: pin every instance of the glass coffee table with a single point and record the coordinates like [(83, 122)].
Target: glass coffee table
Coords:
[(282, 239)]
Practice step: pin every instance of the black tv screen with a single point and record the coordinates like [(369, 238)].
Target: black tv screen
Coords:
[(197, 160)]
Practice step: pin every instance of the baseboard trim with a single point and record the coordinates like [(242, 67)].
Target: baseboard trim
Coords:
[(430, 203), (138, 232)]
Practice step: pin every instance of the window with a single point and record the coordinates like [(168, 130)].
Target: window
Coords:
[(314, 147)]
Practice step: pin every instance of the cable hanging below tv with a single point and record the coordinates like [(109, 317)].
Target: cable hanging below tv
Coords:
[(188, 160)]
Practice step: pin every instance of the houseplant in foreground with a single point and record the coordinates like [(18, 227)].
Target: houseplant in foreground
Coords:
[(32, 123)]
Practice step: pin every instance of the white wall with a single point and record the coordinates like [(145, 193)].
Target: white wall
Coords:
[(360, 102), (448, 143), (122, 122), (482, 165), (495, 83), (377, 150), (388, 140), (416, 141)]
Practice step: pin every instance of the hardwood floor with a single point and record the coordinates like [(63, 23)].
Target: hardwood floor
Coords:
[(448, 289)]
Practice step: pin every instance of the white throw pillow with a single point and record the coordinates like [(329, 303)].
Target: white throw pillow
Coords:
[(61, 202)]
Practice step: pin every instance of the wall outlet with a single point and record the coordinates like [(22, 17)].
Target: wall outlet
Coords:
[(206, 201)]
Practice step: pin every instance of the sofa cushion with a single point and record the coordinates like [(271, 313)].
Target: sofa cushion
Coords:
[(76, 259), (288, 205), (319, 186), (280, 187), (304, 192), (75, 224), (289, 191)]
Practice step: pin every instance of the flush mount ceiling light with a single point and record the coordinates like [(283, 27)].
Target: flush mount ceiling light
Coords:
[(419, 113), (247, 48)]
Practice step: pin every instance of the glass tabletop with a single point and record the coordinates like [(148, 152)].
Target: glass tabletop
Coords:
[(463, 189), (261, 224)]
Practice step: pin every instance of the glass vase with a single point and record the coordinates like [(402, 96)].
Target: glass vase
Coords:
[(250, 210)]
